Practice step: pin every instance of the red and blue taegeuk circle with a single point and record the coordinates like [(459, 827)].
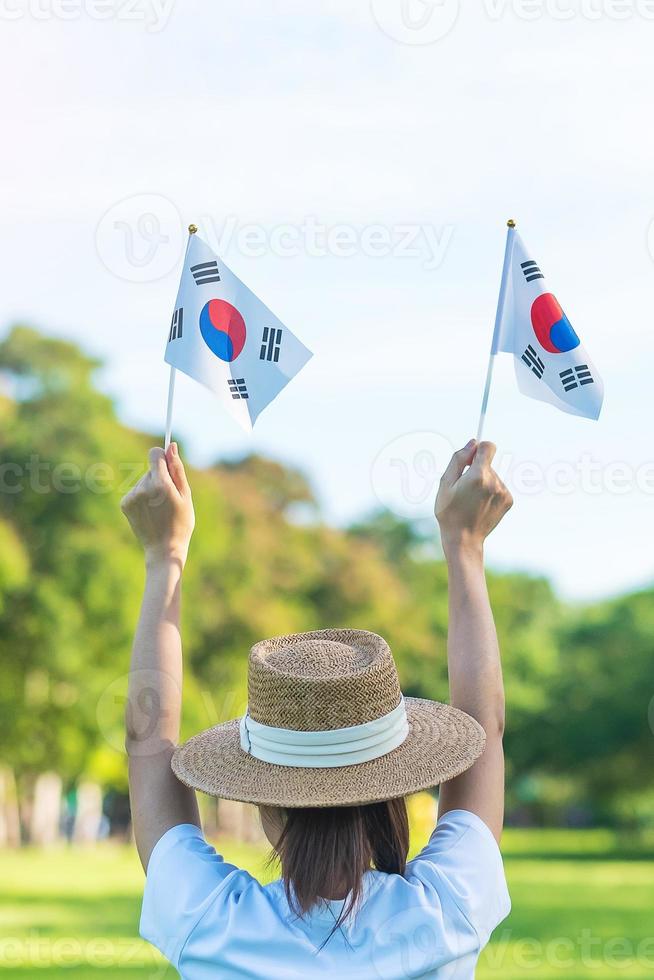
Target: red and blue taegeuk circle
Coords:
[(223, 329), (551, 325)]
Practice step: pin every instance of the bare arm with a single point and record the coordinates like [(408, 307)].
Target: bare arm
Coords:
[(469, 506), (160, 511)]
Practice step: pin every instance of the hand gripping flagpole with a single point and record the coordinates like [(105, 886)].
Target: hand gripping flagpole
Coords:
[(192, 229), (498, 320)]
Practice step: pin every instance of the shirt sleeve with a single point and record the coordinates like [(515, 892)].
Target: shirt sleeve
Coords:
[(184, 877), (462, 863)]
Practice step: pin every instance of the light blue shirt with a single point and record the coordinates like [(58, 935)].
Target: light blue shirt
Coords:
[(213, 920)]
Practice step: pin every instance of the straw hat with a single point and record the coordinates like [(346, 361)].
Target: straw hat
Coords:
[(327, 725)]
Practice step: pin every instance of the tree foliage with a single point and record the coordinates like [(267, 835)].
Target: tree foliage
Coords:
[(262, 563)]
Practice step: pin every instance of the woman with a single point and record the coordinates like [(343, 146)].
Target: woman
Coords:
[(328, 749)]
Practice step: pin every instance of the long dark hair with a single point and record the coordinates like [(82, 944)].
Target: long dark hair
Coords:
[(325, 852)]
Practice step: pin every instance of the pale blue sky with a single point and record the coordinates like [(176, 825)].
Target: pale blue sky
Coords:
[(278, 116)]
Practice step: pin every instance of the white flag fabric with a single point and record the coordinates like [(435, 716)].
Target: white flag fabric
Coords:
[(550, 362), (223, 336)]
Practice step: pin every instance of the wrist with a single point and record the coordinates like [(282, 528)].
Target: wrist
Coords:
[(462, 548), (165, 561)]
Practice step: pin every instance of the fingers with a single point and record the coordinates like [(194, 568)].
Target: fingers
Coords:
[(133, 496), (484, 455), (165, 474), (483, 473), (153, 486), (139, 490), (458, 463), (176, 469), (158, 466)]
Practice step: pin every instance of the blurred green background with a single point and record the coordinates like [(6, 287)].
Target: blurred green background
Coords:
[(578, 681)]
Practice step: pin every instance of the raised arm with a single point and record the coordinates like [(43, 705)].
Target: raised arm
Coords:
[(160, 511), (470, 504)]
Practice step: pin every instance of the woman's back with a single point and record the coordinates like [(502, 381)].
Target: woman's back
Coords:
[(211, 919)]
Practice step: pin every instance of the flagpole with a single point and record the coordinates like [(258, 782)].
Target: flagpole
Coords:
[(496, 330), (169, 408), (192, 229)]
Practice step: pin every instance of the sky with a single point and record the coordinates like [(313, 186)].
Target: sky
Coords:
[(355, 164)]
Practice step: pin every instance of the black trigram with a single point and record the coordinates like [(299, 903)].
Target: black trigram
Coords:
[(531, 271), (176, 325), (270, 343), (574, 377), (238, 388), (533, 361), (205, 272)]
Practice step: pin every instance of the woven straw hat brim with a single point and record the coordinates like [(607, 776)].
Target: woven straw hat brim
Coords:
[(442, 743)]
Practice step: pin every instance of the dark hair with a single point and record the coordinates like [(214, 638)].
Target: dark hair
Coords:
[(326, 851)]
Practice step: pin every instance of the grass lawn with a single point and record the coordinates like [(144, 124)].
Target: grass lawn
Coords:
[(583, 907)]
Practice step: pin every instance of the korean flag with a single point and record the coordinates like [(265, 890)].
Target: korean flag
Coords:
[(223, 336), (551, 363)]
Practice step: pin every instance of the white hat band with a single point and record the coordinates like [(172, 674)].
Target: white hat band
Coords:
[(325, 749)]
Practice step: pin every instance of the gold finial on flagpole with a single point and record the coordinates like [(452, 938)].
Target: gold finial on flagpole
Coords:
[(192, 229), (510, 223)]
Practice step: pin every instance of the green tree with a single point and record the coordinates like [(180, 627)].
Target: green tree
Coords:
[(263, 562)]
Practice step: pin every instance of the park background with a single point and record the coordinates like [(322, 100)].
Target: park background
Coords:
[(355, 163)]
